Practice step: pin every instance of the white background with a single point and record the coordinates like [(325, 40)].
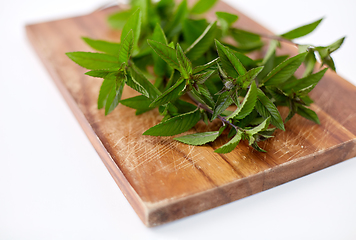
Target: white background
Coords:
[(53, 185)]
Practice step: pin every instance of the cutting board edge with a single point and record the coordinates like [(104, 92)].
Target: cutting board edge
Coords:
[(160, 212)]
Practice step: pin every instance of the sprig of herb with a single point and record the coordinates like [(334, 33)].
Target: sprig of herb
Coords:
[(191, 56)]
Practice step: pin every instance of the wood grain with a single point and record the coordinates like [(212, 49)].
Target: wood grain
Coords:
[(165, 180)]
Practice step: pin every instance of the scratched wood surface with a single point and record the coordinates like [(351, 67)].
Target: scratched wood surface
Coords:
[(165, 180)]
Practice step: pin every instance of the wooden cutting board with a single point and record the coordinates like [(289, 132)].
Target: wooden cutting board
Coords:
[(165, 180)]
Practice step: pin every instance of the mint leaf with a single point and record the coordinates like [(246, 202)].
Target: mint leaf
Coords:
[(105, 89), (136, 74), (247, 41), (140, 103), (307, 82), (247, 105), (175, 25), (266, 108), (126, 48), (132, 83), (160, 66), (118, 20), (284, 70), (336, 45), (114, 95), (271, 51), (206, 95), (94, 61), (226, 20), (192, 29), (197, 139), (308, 114), (229, 61), (206, 67), (134, 24), (301, 31), (248, 77), (223, 102), (246, 61), (185, 64), (261, 127), (309, 63), (202, 6), (202, 43), (231, 145), (103, 46), (201, 78), (175, 125), (172, 93), (107, 74), (168, 54)]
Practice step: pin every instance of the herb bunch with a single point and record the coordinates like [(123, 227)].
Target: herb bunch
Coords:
[(207, 62)]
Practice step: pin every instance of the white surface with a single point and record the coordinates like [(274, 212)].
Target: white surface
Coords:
[(53, 185)]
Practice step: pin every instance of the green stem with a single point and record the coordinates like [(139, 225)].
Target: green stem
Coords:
[(206, 108)]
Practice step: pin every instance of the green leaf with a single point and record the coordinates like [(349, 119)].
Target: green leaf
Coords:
[(159, 35), (202, 43), (160, 66), (126, 48), (230, 62), (144, 6), (138, 102), (336, 45), (118, 20), (134, 24), (171, 94), (226, 20), (285, 70), (246, 61), (244, 37), (247, 41), (184, 106), (105, 89), (261, 127), (197, 139), (271, 51), (202, 6), (308, 114), (185, 64), (175, 125), (193, 28), (175, 25), (132, 83), (248, 77), (136, 74), (206, 67), (309, 63), (266, 108), (247, 105), (301, 31), (94, 61), (201, 78), (223, 102), (309, 81), (168, 54), (206, 95), (256, 147), (107, 74), (114, 96), (231, 145), (103, 46)]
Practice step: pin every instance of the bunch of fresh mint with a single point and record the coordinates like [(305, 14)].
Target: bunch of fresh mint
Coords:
[(184, 54)]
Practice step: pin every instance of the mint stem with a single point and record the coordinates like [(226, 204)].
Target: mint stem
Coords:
[(206, 108)]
